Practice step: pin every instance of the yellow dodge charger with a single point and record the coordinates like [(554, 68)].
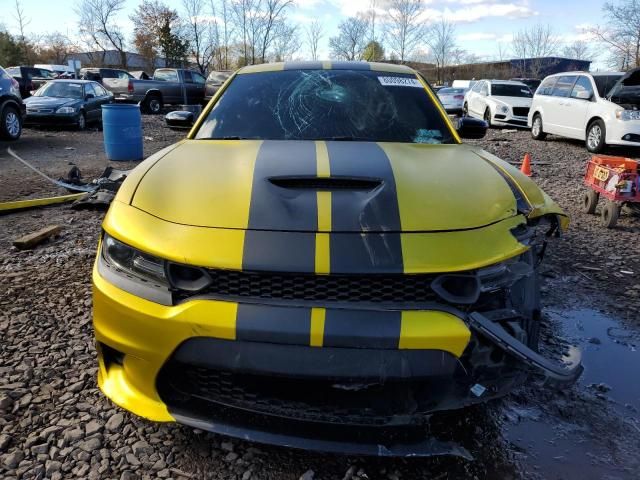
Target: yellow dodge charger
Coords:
[(322, 263)]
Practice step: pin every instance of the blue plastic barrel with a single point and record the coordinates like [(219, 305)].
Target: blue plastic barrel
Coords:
[(122, 128)]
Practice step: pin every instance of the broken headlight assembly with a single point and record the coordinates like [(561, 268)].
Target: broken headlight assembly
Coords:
[(134, 271)]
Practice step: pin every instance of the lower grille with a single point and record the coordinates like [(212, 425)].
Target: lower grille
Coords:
[(521, 111), (395, 288), (309, 400)]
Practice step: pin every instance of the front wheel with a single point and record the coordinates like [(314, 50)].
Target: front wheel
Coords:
[(82, 121), (536, 128), (590, 201), (596, 135), (10, 123), (152, 104), (487, 117), (609, 214)]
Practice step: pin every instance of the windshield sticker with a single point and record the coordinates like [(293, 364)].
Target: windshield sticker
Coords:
[(399, 82)]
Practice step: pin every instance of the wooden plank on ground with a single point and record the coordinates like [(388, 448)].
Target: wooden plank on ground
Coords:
[(33, 239)]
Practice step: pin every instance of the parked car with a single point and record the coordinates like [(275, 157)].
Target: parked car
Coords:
[(169, 86), (30, 79), (107, 77), (67, 102), (321, 263), (452, 99), (532, 83), (12, 108), (463, 83), (600, 108), (60, 71), (499, 102), (214, 82)]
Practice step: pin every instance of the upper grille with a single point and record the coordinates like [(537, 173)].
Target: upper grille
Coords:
[(521, 111), (379, 288)]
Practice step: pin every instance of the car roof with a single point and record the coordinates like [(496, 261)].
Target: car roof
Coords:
[(506, 82), (71, 80), (582, 72), (326, 65)]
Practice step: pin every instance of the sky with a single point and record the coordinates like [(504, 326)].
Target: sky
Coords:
[(480, 24)]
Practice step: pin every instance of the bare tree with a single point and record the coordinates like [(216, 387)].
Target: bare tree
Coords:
[(405, 28), (441, 41), (578, 50), (286, 41), (531, 45), (351, 39), (23, 23), (503, 52), (622, 33), (222, 53), (56, 48), (201, 30), (97, 22), (314, 34)]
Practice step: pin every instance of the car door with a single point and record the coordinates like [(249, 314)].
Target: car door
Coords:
[(473, 98), (577, 106), (197, 85), (557, 111), (481, 99), (92, 103), (103, 97), (542, 99)]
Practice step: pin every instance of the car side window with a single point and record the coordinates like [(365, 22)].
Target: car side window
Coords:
[(477, 86), (546, 87), (484, 89), (197, 78), (187, 77), (582, 89), (89, 90), (100, 92), (564, 85), (123, 75), (166, 76)]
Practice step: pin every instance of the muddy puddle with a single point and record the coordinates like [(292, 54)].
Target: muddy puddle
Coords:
[(592, 431)]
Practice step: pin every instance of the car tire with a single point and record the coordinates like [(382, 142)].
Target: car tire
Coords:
[(537, 133), (82, 122), (590, 201), (596, 136), (609, 214), (152, 104), (487, 117), (10, 123)]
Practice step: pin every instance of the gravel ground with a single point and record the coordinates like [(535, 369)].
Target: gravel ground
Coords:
[(55, 424)]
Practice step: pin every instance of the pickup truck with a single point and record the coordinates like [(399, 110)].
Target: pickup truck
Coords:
[(168, 86), (30, 79)]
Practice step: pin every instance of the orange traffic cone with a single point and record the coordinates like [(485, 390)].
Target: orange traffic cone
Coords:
[(526, 165)]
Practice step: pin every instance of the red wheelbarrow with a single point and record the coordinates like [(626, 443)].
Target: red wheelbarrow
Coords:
[(617, 180)]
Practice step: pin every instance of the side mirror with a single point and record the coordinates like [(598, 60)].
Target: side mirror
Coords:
[(472, 128), (584, 95), (179, 120), (89, 96)]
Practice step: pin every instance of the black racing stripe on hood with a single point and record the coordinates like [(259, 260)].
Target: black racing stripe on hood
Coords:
[(271, 324), (522, 204), (362, 329), (279, 251), (275, 208), (282, 221), (358, 211)]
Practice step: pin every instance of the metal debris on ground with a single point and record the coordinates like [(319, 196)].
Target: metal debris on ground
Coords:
[(8, 207), (35, 238)]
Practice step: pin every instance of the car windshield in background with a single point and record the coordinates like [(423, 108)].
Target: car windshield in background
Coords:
[(61, 90), (326, 105), (452, 91), (505, 90), (14, 72), (4, 75), (604, 83)]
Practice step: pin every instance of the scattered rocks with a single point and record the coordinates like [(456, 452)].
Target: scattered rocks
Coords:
[(115, 422)]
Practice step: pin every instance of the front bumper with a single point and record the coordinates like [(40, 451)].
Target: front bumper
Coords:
[(51, 119), (621, 132), (507, 119)]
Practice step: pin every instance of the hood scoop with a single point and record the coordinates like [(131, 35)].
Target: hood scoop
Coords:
[(326, 183)]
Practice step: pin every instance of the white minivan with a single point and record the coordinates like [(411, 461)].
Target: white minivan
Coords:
[(600, 108)]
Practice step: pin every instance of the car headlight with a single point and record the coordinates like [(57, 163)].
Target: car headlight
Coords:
[(134, 271), (503, 108), (66, 110), (628, 114)]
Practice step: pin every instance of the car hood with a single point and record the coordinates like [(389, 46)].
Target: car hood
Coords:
[(626, 91), (513, 101), (50, 102), (302, 186)]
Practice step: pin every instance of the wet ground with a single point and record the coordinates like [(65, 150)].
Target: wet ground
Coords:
[(591, 296)]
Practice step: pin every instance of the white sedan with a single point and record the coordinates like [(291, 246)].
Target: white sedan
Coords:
[(452, 99), (499, 102)]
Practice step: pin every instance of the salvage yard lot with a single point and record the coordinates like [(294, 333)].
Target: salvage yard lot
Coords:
[(55, 424)]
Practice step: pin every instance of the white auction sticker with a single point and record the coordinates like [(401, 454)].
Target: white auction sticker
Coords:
[(399, 82)]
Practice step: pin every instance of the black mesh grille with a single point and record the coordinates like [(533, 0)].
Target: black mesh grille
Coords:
[(521, 111), (318, 288), (306, 400)]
